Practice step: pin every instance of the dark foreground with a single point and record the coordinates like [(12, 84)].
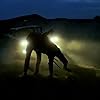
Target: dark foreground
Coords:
[(32, 87)]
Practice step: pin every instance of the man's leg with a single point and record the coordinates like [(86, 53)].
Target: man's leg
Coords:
[(38, 62), (27, 60), (51, 66)]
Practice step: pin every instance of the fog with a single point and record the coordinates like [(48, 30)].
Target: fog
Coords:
[(82, 52)]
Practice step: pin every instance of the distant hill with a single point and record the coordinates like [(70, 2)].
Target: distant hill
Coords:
[(97, 18), (72, 20), (35, 19)]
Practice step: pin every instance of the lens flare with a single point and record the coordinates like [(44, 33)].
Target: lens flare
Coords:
[(24, 51), (54, 39), (24, 43)]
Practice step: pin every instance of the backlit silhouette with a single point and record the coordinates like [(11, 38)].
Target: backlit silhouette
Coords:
[(40, 43)]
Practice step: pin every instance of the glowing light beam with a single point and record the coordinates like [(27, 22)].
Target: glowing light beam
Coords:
[(54, 39), (24, 51), (24, 43)]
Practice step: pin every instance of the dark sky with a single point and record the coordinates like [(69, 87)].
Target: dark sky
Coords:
[(50, 8)]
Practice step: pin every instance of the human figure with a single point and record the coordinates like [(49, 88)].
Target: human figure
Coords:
[(40, 43)]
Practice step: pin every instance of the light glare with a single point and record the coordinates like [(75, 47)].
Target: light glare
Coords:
[(24, 43), (54, 39), (24, 51)]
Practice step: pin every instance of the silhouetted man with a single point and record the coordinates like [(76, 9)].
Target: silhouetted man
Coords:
[(41, 44)]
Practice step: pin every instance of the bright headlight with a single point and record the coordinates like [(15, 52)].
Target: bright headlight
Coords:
[(54, 39), (23, 44), (24, 51)]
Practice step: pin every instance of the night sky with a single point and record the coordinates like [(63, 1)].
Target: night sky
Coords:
[(50, 8)]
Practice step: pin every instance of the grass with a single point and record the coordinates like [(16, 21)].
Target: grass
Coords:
[(79, 73), (63, 85)]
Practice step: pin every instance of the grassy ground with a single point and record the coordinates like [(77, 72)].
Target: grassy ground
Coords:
[(15, 70), (63, 85)]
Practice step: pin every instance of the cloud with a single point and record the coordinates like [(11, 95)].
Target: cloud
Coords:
[(92, 1), (93, 8), (85, 1), (59, 8)]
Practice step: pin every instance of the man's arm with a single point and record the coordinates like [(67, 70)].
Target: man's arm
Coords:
[(46, 33)]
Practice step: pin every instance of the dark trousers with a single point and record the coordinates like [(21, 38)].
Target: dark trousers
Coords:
[(61, 57)]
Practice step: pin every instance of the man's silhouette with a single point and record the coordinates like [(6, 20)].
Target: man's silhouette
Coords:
[(41, 44)]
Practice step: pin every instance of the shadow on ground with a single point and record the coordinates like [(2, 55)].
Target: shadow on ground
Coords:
[(39, 87), (44, 87)]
